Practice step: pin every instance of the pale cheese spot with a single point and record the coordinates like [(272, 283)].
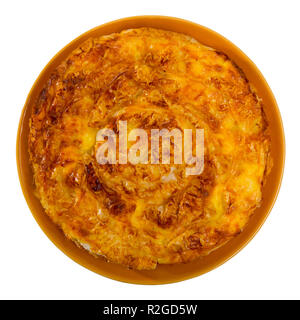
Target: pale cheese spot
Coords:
[(169, 177)]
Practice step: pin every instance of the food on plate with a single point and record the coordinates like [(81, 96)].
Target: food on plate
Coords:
[(144, 214)]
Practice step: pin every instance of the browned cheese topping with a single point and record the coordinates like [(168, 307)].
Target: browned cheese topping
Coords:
[(147, 214)]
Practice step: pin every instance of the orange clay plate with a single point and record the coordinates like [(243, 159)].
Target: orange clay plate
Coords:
[(163, 273)]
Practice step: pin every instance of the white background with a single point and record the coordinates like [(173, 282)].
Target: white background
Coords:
[(31, 267)]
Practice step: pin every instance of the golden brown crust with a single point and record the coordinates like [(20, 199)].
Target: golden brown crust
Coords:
[(133, 214)]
